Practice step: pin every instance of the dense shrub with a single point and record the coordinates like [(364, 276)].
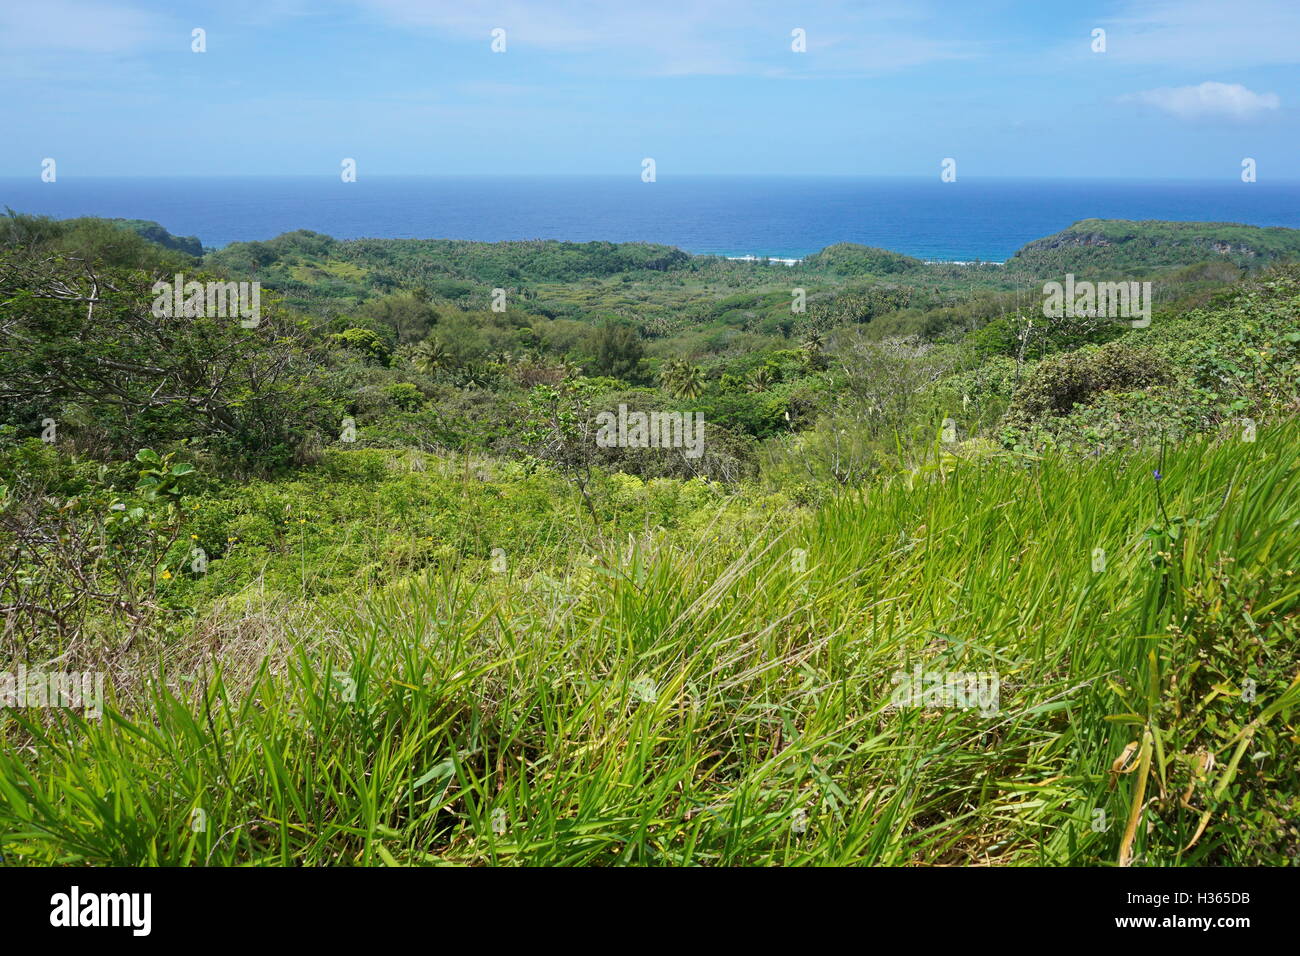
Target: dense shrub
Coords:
[(365, 342), (1060, 382), (404, 396)]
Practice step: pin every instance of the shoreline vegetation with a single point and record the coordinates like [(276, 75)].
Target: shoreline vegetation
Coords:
[(371, 578)]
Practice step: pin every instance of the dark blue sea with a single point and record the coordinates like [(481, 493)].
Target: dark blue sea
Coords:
[(734, 216)]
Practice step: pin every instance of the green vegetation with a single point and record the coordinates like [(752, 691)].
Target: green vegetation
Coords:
[(1122, 247), (676, 699), (366, 589), (848, 258)]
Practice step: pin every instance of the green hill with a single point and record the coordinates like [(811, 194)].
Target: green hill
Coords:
[(1125, 246), (366, 588), (154, 232), (850, 259)]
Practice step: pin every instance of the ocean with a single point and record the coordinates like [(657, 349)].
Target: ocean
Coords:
[(790, 216)]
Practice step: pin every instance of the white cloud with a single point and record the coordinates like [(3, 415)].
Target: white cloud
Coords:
[(75, 26), (1209, 100), (690, 37), (1206, 34)]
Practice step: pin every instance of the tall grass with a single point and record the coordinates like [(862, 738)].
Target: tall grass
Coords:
[(728, 701)]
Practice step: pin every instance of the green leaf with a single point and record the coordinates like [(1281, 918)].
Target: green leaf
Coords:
[(441, 772)]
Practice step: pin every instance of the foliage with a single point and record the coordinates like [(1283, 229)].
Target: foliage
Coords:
[(83, 345), (618, 351), (86, 564), (1146, 713), (1118, 246), (367, 590), (365, 341), (1061, 382)]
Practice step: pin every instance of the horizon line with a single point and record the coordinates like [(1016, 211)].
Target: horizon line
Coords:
[(634, 176)]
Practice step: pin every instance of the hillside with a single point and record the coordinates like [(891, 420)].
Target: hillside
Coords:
[(155, 233), (1118, 246), (737, 696), (946, 583), (851, 259)]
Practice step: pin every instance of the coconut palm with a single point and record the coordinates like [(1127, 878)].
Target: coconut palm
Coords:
[(813, 345), (429, 356), (761, 379), (682, 380), (474, 375), (691, 384), (670, 374)]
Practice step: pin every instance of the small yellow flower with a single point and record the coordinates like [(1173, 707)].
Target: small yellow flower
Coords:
[(194, 537), (166, 575)]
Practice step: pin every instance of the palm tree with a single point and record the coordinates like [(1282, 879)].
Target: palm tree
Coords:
[(429, 356), (812, 347), (690, 383), (474, 375), (761, 379), (681, 379), (670, 374)]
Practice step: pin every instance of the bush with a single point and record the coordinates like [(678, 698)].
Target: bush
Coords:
[(1060, 382), (366, 341), (404, 395)]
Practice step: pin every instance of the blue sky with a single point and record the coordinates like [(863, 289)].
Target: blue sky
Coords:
[(1183, 90)]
